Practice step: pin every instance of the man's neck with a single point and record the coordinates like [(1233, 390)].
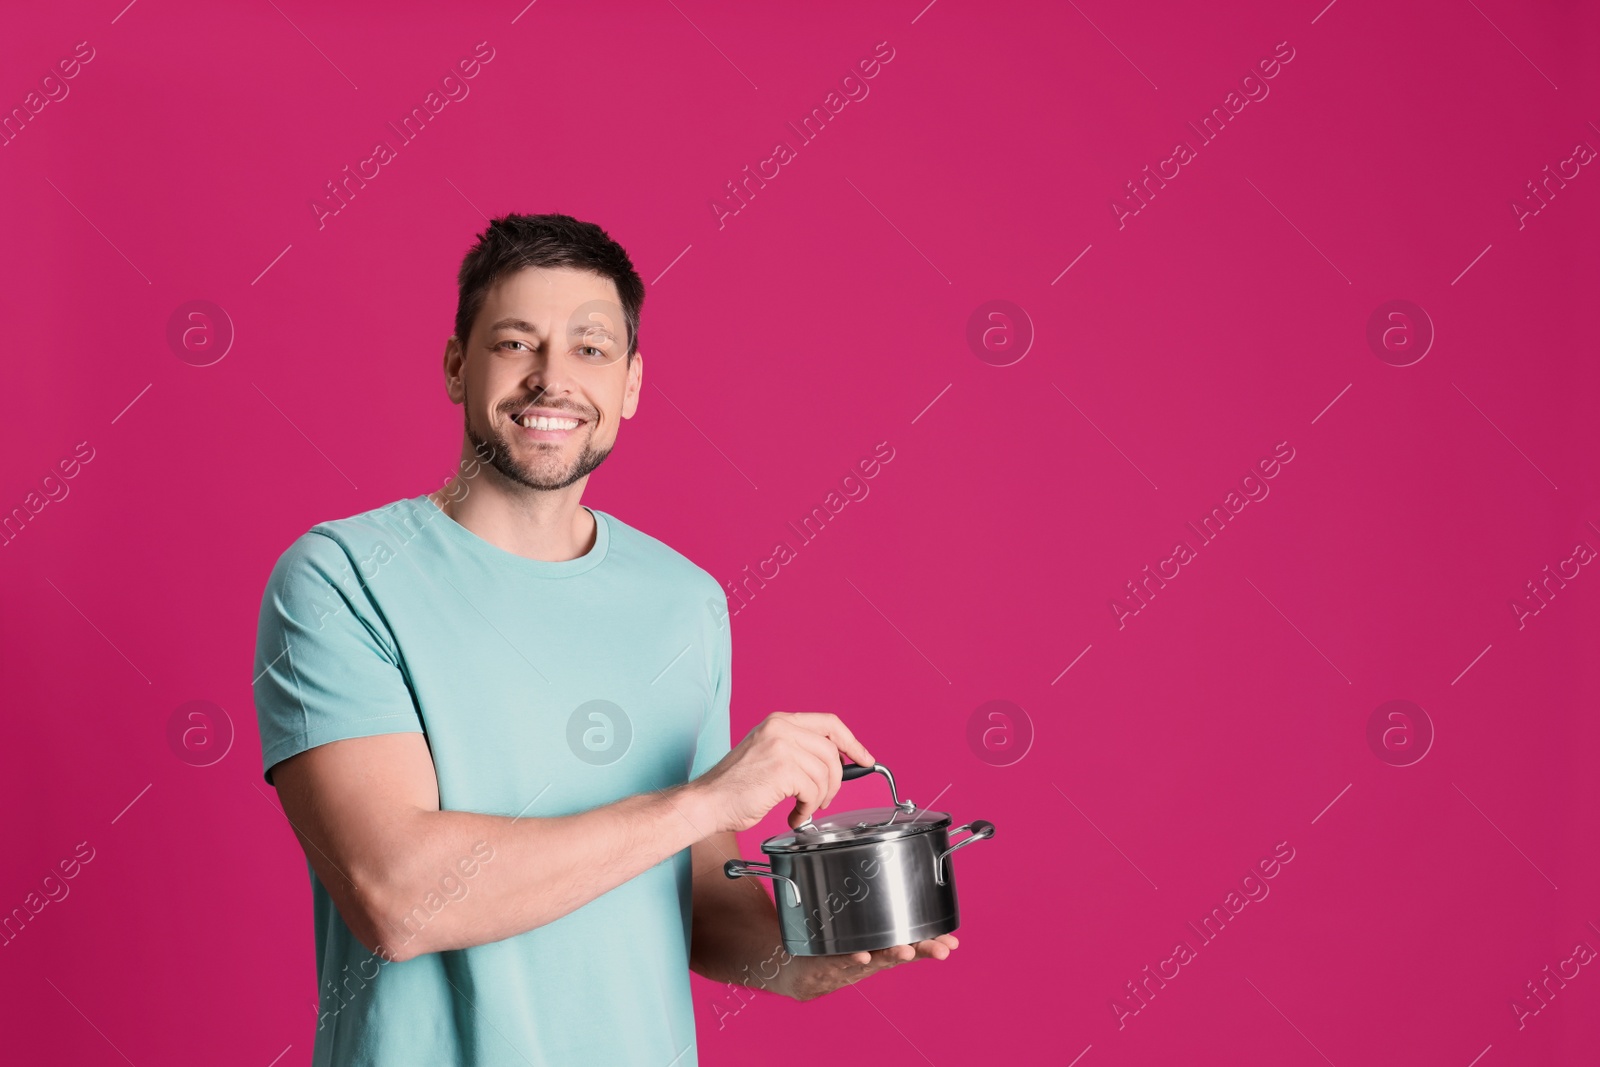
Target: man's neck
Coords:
[(543, 525)]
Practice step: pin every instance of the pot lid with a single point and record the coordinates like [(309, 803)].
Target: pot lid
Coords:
[(861, 827)]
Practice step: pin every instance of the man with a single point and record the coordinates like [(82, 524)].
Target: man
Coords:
[(498, 721)]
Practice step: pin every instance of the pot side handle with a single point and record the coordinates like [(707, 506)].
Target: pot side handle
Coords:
[(980, 830), (744, 869)]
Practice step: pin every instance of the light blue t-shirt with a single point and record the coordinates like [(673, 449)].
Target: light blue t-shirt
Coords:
[(543, 688)]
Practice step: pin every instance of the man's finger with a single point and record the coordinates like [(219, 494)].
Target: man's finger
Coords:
[(831, 727), (888, 957), (826, 771), (808, 800), (877, 959)]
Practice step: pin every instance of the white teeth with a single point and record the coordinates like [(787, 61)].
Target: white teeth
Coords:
[(540, 422)]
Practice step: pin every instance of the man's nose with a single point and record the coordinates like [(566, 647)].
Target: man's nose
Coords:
[(547, 375)]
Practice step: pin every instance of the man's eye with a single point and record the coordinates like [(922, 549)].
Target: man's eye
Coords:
[(596, 351), (502, 344)]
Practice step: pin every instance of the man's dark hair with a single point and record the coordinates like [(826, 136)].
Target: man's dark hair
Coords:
[(514, 242)]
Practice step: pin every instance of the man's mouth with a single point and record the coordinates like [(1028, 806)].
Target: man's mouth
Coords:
[(546, 424), (542, 422)]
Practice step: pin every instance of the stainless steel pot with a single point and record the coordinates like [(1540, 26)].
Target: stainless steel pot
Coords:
[(864, 880)]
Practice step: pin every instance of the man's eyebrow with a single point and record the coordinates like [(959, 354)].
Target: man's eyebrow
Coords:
[(522, 326), (593, 333), (514, 324)]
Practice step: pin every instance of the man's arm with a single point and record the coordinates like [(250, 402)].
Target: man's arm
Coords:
[(366, 811), (735, 937)]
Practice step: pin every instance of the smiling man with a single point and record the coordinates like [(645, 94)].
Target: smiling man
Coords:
[(498, 720)]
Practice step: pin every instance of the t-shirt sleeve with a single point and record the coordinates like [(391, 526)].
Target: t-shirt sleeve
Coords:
[(713, 741), (326, 666)]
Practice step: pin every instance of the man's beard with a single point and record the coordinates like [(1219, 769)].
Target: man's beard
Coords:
[(498, 449)]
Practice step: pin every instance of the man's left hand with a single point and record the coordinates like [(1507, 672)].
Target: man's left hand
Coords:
[(812, 976)]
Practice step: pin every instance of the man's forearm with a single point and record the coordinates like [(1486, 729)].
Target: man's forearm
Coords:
[(745, 949), (736, 937), (536, 870)]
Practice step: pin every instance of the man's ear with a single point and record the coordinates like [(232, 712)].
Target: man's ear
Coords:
[(630, 395), (454, 359)]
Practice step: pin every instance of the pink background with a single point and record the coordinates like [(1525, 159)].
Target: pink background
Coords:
[(825, 317)]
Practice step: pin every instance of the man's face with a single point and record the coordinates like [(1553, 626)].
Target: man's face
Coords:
[(544, 376)]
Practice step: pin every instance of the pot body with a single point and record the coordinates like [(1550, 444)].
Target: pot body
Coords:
[(865, 897)]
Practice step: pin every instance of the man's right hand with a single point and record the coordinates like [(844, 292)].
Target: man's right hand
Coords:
[(788, 754)]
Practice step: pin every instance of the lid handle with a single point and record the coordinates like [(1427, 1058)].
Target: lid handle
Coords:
[(853, 771)]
